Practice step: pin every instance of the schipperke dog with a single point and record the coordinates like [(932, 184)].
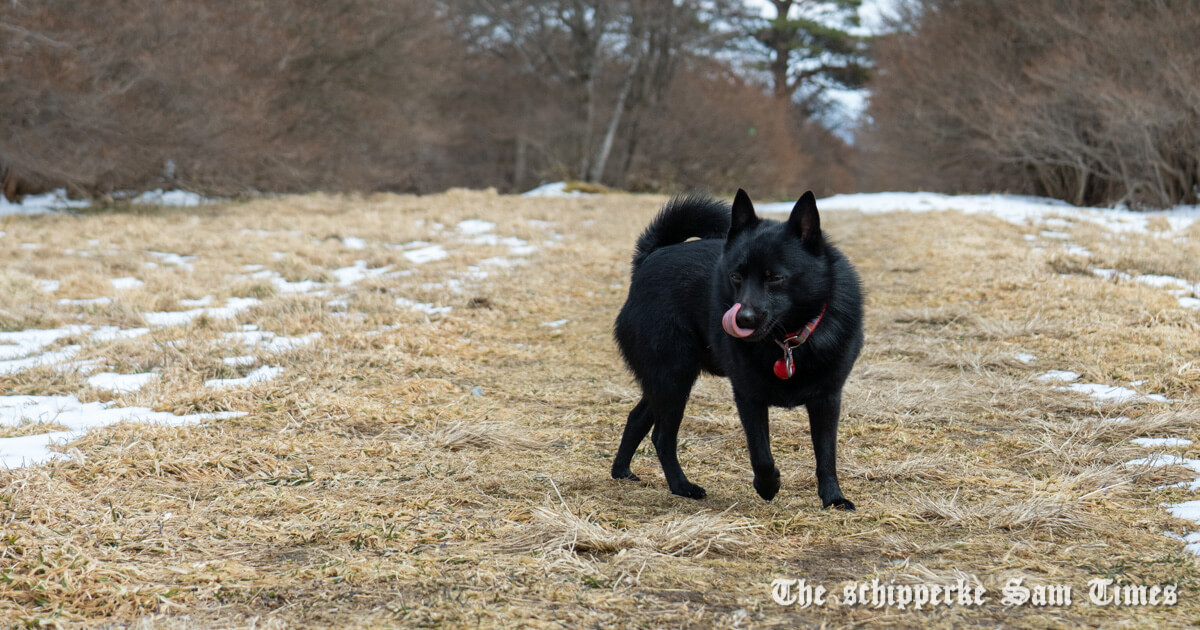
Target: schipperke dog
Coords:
[(771, 305)]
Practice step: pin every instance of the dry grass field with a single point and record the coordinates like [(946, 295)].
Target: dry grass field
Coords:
[(413, 466)]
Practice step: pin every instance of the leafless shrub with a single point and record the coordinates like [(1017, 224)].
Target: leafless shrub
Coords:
[(1092, 103)]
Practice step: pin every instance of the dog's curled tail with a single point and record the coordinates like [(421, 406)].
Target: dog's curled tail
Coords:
[(683, 217)]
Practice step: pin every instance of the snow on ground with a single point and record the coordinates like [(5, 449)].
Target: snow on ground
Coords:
[(76, 417), (178, 260), (126, 283), (57, 201), (1017, 209), (232, 307), (24, 350), (357, 272), (41, 204), (426, 254), (424, 307), (121, 383), (97, 301), (1098, 392), (475, 226), (555, 189), (265, 341), (45, 359), (259, 375), (179, 198)]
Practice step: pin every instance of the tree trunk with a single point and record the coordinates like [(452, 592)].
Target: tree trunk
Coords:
[(610, 134)]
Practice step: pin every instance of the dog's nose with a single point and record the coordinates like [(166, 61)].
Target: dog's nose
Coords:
[(749, 317)]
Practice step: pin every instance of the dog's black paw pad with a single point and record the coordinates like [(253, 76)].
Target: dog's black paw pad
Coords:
[(690, 490), (841, 504)]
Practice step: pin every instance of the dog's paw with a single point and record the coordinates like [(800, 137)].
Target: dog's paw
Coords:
[(842, 503), (625, 475), (767, 485), (689, 490)]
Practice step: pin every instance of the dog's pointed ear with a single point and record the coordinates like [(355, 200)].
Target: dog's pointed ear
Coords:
[(806, 223), (742, 215)]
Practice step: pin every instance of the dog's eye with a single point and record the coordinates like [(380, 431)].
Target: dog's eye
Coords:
[(735, 278), (774, 278)]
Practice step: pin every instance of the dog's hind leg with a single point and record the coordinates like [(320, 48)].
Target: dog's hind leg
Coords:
[(636, 427), (668, 410)]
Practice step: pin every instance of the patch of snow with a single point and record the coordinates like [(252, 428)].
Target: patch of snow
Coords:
[(1167, 441), (232, 307), (1163, 282), (41, 204), (424, 307), (121, 383), (558, 323), (516, 246), (498, 261), (77, 417), (269, 341), (245, 359), (557, 189), (1111, 274), (22, 343), (1058, 376), (1161, 459), (14, 366), (426, 254), (472, 273), (183, 262), (1103, 393), (259, 375), (347, 276), (49, 286), (97, 301), (474, 226), (353, 242), (126, 283), (1098, 392), (112, 333), (1023, 357), (179, 198), (1017, 209), (204, 301)]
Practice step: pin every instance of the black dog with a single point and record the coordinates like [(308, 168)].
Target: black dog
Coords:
[(771, 305)]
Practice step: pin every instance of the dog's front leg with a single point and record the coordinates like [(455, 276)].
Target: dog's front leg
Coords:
[(756, 424), (823, 422)]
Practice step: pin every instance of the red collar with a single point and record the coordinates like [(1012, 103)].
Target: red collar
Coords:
[(786, 367), (800, 336)]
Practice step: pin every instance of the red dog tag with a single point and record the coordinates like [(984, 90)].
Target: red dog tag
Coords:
[(785, 368)]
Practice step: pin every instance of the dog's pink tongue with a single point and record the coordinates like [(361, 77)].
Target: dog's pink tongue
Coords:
[(729, 323)]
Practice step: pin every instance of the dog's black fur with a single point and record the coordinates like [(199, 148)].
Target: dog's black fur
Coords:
[(671, 328)]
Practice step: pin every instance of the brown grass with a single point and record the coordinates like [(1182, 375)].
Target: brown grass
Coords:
[(452, 470)]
